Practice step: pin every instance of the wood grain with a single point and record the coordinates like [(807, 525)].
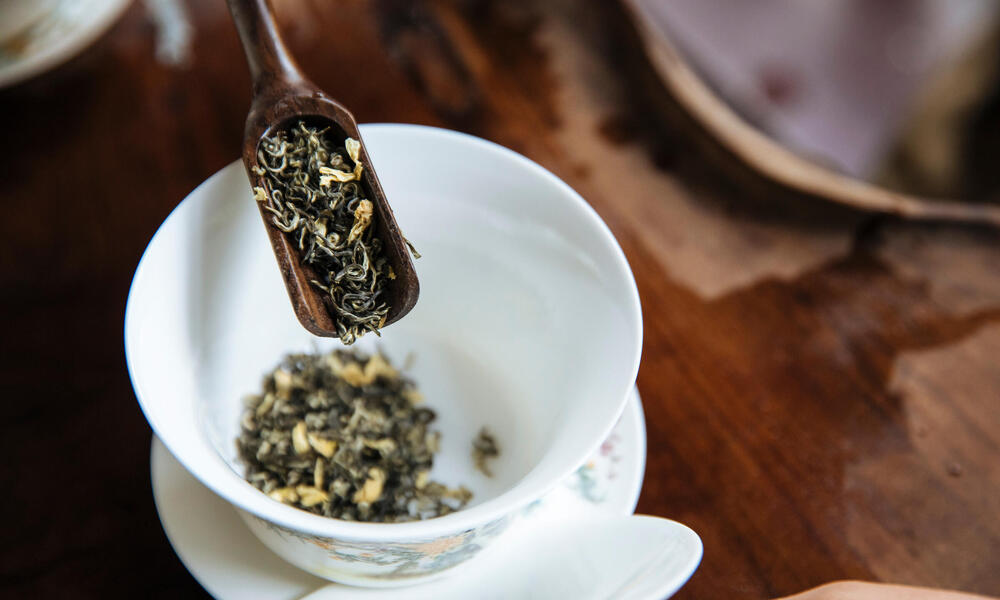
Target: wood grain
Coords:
[(820, 386)]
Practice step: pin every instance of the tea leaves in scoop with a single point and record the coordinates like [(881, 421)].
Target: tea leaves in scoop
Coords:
[(314, 192)]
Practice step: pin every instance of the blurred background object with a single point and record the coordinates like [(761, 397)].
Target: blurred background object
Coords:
[(18, 15), (902, 94), (37, 35)]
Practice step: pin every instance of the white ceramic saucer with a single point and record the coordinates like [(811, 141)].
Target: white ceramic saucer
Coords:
[(229, 562), (68, 28)]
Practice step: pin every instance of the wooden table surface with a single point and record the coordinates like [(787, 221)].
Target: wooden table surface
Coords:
[(821, 386)]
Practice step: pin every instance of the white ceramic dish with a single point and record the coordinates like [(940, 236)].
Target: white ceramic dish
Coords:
[(16, 16), (64, 31), (231, 564), (528, 321)]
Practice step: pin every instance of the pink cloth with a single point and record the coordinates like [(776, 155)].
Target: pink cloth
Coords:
[(831, 79)]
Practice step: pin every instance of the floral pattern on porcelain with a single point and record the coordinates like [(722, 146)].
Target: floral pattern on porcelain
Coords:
[(589, 486), (593, 480), (393, 560)]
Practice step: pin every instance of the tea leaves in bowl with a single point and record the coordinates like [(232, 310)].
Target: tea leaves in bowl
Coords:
[(344, 435)]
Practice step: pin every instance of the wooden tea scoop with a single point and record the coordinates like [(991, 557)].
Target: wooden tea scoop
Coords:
[(282, 97)]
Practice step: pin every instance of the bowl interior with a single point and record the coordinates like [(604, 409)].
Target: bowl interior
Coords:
[(528, 321)]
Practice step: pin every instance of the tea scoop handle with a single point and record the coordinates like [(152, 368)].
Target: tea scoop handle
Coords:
[(272, 68)]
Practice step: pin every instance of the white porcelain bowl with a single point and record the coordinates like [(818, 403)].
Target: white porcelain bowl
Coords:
[(528, 322)]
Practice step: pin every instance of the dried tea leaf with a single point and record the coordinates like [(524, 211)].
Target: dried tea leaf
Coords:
[(362, 219), (248, 422), (285, 494), (282, 383), (310, 496), (321, 445), (328, 176), (385, 446), (353, 374), (484, 448), (265, 405), (378, 366), (413, 250), (318, 474), (413, 396), (372, 488), (299, 439), (353, 148)]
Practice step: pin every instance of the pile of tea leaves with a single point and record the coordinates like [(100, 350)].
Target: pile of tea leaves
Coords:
[(315, 194), (342, 435)]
